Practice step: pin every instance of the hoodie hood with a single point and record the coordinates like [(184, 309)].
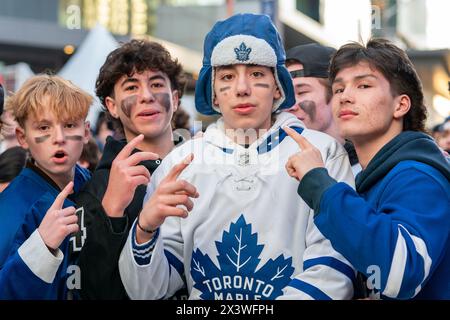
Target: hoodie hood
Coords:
[(408, 145)]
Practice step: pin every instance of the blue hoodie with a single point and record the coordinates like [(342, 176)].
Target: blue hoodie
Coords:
[(23, 205), (395, 229)]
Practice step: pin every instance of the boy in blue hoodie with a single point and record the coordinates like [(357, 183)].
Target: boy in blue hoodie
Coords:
[(394, 228), (36, 216)]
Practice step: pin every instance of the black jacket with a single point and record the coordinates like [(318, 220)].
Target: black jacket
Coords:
[(103, 236)]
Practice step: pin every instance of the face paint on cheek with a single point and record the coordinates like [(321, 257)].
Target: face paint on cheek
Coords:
[(164, 100), (309, 107), (41, 139), (74, 138), (224, 89), (127, 104), (262, 85)]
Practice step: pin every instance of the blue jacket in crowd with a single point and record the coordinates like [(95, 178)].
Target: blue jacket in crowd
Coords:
[(395, 228)]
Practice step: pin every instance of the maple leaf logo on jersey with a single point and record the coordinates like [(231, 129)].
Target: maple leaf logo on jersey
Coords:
[(237, 276)]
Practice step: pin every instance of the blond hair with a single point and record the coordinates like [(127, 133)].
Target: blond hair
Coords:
[(65, 100)]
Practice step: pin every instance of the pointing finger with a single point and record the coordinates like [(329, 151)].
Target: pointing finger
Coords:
[(126, 151), (301, 141), (59, 201), (178, 169)]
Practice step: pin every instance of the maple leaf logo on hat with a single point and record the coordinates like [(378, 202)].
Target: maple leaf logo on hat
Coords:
[(242, 54)]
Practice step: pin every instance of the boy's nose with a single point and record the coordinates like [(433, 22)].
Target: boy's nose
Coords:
[(243, 86), (59, 135), (147, 94)]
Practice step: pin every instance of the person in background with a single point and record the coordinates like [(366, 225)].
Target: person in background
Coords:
[(103, 129), (90, 156), (443, 139), (12, 161), (308, 65)]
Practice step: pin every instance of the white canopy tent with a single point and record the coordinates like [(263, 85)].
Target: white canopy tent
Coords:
[(83, 67)]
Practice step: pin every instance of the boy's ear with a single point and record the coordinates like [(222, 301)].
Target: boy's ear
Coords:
[(175, 100), (215, 101), (402, 106), (277, 94), (112, 107), (20, 134), (87, 132)]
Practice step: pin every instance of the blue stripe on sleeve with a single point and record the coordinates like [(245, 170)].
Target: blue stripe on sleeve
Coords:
[(142, 253), (314, 292), (332, 263)]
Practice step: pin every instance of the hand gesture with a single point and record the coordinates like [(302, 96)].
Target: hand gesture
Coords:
[(125, 176), (58, 223), (305, 160), (163, 203)]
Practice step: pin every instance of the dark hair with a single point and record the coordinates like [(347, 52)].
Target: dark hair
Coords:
[(290, 62), (180, 119), (328, 90), (137, 56), (12, 161), (395, 66), (90, 154), (101, 119)]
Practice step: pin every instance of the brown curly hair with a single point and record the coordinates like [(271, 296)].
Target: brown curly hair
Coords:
[(136, 56), (395, 66)]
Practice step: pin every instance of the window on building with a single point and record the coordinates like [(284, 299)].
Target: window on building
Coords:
[(311, 8)]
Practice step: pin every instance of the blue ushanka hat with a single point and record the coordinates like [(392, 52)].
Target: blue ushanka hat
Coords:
[(243, 39)]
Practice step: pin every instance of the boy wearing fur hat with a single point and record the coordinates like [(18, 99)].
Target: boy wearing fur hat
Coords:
[(225, 222)]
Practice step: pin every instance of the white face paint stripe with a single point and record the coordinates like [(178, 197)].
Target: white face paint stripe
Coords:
[(421, 248), (395, 277), (398, 265)]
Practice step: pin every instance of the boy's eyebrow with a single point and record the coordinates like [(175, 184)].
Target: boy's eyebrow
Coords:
[(157, 77), (227, 67), (359, 77), (134, 80), (302, 85), (129, 79), (39, 121)]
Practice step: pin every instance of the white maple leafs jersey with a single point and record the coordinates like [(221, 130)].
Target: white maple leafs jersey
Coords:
[(249, 235)]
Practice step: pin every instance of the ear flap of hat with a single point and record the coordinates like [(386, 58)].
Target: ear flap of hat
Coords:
[(285, 79), (203, 92)]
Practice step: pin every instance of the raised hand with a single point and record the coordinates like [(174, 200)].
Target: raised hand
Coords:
[(125, 176), (163, 203), (58, 223), (305, 160)]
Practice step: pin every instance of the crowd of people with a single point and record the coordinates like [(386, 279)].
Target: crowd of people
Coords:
[(318, 181)]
